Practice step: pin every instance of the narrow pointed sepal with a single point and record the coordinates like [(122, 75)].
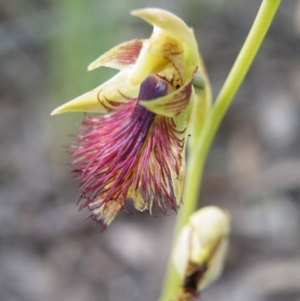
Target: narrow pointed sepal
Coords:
[(102, 99), (202, 99), (170, 24), (87, 102), (119, 57), (181, 124)]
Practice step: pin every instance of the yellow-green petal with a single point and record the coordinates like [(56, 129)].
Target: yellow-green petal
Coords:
[(98, 100), (169, 23), (202, 105), (119, 57), (87, 102), (159, 53)]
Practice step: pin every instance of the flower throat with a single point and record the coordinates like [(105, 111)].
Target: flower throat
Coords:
[(151, 88)]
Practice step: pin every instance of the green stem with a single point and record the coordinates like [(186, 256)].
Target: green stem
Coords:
[(198, 156)]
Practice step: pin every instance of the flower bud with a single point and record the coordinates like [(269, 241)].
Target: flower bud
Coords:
[(201, 248)]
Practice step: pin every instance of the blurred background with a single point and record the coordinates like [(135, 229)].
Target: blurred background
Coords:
[(48, 251)]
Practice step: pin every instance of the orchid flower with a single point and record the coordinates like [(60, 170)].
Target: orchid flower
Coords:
[(135, 148)]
